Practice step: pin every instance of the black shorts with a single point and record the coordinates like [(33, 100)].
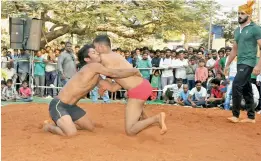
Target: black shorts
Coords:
[(57, 109)]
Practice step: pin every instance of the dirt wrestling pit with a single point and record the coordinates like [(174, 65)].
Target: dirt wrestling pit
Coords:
[(193, 135)]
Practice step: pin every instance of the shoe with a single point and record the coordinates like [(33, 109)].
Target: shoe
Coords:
[(248, 120), (233, 119)]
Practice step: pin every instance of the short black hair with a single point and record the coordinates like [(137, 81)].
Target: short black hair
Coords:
[(3, 82), (24, 81), (62, 42), (168, 50), (201, 61), (9, 81), (215, 81), (84, 53), (179, 80), (77, 46), (221, 51), (213, 51), (103, 39), (68, 42), (198, 81)]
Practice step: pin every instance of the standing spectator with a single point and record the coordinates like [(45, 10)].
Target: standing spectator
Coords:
[(9, 93), (66, 64), (5, 58), (25, 93), (200, 56), (138, 53), (39, 73), (197, 96), (202, 73), (190, 70), (155, 83), (50, 73), (128, 56), (245, 48), (181, 63), (24, 65), (212, 60), (230, 76), (62, 46), (144, 63), (156, 60), (167, 74)]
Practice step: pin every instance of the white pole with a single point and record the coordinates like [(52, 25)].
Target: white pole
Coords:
[(210, 26)]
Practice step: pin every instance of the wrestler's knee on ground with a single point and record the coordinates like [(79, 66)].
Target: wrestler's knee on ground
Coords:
[(84, 123), (66, 124)]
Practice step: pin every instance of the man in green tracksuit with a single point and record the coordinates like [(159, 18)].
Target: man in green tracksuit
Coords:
[(247, 39)]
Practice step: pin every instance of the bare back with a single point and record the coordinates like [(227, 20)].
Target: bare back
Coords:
[(79, 85), (116, 61)]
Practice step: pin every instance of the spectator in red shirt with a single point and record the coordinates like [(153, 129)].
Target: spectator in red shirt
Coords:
[(25, 93), (216, 97)]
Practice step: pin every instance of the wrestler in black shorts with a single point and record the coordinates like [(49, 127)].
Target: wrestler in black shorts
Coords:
[(57, 109)]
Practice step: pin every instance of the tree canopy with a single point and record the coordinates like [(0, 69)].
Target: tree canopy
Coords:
[(130, 19)]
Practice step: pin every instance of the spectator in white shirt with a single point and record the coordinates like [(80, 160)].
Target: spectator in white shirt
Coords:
[(212, 60), (50, 72), (181, 65), (172, 92), (197, 96), (255, 95), (167, 77), (10, 72)]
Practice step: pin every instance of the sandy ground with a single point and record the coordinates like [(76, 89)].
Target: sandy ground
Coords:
[(193, 135)]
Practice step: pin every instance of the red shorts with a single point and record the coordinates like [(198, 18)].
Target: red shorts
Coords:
[(141, 92)]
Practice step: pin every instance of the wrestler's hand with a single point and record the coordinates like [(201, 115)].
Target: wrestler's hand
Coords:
[(101, 91), (138, 74), (256, 70)]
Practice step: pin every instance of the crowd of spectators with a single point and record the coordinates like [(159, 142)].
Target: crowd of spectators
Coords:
[(187, 77)]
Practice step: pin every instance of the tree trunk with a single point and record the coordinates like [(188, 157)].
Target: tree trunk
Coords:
[(53, 35)]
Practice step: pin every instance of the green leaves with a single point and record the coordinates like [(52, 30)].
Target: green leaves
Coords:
[(135, 20)]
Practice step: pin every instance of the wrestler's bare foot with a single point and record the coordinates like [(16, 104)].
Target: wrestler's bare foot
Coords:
[(162, 117), (233, 119), (248, 121), (46, 125)]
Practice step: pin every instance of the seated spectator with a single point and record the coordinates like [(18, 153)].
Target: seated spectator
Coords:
[(255, 96), (183, 97), (155, 83), (25, 93), (10, 71), (211, 76), (3, 85), (217, 96), (172, 92), (243, 104), (144, 63), (9, 93), (197, 96)]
